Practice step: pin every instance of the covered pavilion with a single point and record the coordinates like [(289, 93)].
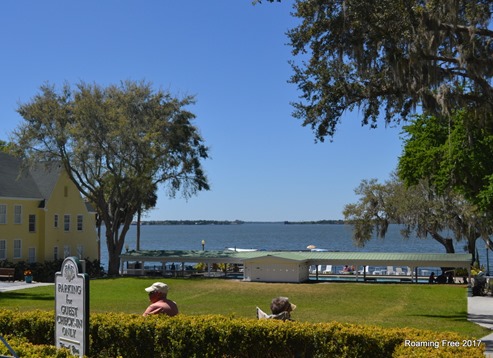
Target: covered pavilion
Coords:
[(296, 262)]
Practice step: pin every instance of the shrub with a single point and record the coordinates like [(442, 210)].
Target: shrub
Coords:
[(23, 348), (127, 335)]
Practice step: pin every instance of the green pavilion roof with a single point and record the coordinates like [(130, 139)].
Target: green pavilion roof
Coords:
[(315, 258)]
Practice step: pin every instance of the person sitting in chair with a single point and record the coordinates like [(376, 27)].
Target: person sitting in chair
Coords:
[(159, 302), (281, 308), (432, 278)]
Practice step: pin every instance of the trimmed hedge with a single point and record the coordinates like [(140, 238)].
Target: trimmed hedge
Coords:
[(125, 335), (24, 348)]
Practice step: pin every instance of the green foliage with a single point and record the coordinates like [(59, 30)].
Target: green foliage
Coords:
[(453, 153), (6, 147), (388, 57), (23, 348), (443, 215), (117, 144), (201, 266), (123, 335), (33, 326), (425, 145), (373, 212)]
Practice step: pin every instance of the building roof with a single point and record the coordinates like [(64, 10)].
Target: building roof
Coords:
[(313, 258), (33, 183), (373, 258), (181, 255), (45, 176)]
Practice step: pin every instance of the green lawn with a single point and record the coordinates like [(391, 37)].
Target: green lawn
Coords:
[(433, 307)]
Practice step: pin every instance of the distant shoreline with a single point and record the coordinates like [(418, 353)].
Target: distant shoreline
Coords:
[(324, 222), (236, 222)]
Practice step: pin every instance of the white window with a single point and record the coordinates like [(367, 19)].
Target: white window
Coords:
[(31, 255), (17, 214), (3, 249), (66, 251), (32, 223), (3, 214), (66, 222), (17, 249), (80, 251), (55, 221), (55, 253), (80, 221)]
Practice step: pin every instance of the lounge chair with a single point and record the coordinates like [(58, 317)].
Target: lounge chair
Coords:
[(281, 316), (399, 271), (261, 314), (328, 270), (366, 270), (380, 271)]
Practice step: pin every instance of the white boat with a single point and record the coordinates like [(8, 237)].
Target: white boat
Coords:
[(240, 250)]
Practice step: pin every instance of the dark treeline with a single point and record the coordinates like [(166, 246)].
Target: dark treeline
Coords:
[(191, 222), (315, 222), (228, 222)]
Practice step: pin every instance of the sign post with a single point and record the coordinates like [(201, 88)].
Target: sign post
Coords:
[(72, 308)]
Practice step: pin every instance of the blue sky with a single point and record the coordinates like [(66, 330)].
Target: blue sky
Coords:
[(233, 57)]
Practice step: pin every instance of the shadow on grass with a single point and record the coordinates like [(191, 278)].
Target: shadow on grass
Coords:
[(461, 317), (115, 278), (26, 296)]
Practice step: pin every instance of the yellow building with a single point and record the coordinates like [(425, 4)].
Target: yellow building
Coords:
[(42, 215)]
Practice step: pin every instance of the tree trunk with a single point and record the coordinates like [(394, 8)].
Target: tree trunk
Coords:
[(471, 247), (113, 262), (98, 225), (448, 243), (449, 246), (113, 252), (138, 230), (115, 240), (472, 237)]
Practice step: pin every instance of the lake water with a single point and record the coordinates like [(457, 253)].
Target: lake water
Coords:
[(275, 236)]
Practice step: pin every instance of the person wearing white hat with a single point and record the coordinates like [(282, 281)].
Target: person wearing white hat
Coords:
[(158, 296)]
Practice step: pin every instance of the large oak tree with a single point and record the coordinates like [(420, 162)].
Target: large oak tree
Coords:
[(444, 216), (388, 57), (117, 143)]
